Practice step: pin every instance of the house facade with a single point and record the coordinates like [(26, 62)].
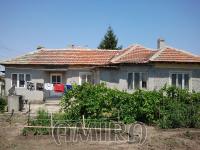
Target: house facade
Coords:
[(135, 67)]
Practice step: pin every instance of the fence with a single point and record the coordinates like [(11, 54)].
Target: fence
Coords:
[(50, 121)]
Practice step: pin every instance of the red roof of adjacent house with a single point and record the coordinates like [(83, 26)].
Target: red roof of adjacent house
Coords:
[(132, 54)]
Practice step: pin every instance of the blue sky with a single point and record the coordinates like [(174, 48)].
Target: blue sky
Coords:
[(25, 24)]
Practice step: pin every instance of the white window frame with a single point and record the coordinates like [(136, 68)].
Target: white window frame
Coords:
[(84, 73), (56, 74), (181, 72), (25, 84), (140, 78)]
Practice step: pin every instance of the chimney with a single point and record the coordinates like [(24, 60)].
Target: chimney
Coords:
[(72, 46), (40, 47), (161, 43)]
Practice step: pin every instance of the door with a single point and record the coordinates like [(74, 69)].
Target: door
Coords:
[(55, 78)]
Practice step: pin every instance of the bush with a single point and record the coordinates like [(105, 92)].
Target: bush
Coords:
[(2, 104), (169, 108), (42, 119)]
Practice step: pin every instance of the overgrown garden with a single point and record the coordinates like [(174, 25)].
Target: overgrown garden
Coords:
[(169, 107)]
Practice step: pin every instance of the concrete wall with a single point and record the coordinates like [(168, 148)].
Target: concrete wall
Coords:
[(113, 77), (157, 77), (40, 76), (196, 80), (37, 76), (72, 75), (117, 78)]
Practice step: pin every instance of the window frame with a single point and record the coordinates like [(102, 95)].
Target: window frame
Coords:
[(85, 73), (25, 83), (12, 80), (132, 84), (183, 78), (56, 74), (147, 77), (140, 80)]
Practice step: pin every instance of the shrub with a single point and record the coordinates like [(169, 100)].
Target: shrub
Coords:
[(42, 119), (2, 104), (169, 108)]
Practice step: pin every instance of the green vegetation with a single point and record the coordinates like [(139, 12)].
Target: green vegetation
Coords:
[(110, 41), (42, 119), (3, 104), (169, 107)]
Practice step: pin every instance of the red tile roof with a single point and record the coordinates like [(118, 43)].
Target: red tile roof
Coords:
[(135, 54), (174, 55), (132, 54), (59, 57)]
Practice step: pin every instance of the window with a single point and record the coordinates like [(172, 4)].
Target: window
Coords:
[(14, 80), (85, 77), (144, 80), (138, 79), (28, 77), (20, 79), (56, 78), (186, 81), (173, 79), (180, 80), (130, 81)]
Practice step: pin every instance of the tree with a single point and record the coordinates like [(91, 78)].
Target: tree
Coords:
[(110, 41)]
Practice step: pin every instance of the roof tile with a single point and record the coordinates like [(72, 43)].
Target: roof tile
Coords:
[(174, 55), (132, 54)]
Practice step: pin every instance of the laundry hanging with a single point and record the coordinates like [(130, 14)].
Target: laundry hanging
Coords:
[(30, 85), (39, 86), (48, 87), (69, 87), (59, 88)]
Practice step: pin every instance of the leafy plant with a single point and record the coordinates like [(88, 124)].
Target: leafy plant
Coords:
[(3, 104), (169, 107), (42, 119)]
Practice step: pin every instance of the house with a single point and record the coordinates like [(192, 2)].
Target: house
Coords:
[(128, 69)]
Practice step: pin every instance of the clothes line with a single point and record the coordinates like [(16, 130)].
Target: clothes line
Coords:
[(57, 87)]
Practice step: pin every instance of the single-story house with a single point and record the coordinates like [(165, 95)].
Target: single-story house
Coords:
[(135, 67)]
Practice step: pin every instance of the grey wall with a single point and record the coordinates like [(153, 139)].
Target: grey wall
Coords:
[(37, 76), (157, 77), (114, 78), (196, 80), (117, 78), (72, 75)]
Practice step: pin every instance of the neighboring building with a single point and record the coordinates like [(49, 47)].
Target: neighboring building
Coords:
[(129, 69)]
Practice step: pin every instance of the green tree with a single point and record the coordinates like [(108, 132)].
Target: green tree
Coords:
[(110, 41)]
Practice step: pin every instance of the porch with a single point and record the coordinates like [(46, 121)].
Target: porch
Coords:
[(66, 77)]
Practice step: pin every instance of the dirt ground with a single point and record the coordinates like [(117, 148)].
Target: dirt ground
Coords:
[(11, 138)]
